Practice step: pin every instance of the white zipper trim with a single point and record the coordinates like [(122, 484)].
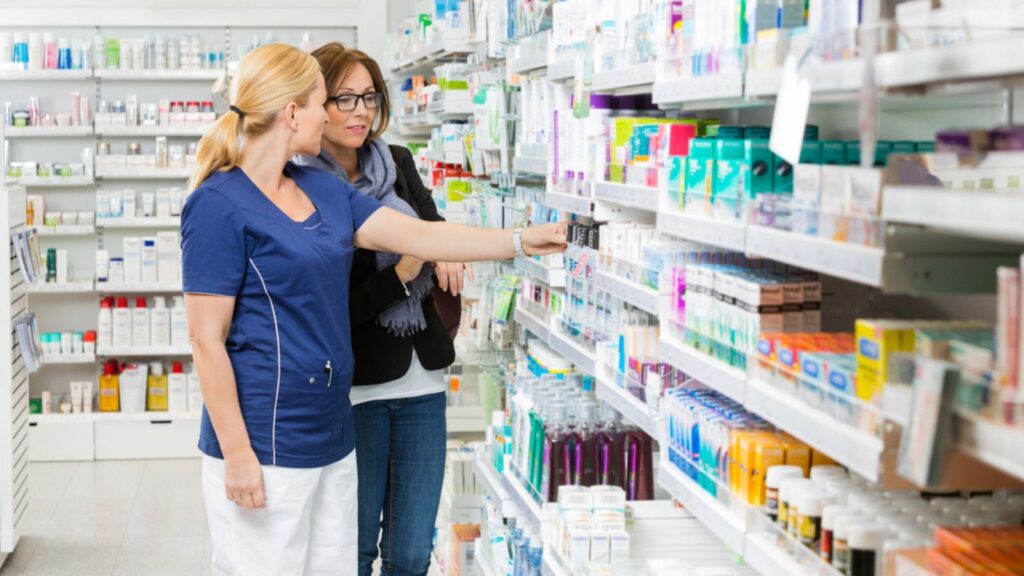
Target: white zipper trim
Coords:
[(277, 392)]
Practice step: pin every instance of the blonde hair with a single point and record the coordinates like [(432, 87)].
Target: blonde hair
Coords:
[(267, 79)]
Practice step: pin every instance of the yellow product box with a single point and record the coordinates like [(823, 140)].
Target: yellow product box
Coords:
[(821, 459), (876, 341), (768, 452), (797, 453), (738, 463)]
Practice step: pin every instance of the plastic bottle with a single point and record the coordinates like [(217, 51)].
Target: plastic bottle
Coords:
[(109, 390), (159, 323), (177, 389), (554, 472), (639, 466), (156, 388), (535, 554), (609, 449), (140, 323), (122, 324), (179, 324), (104, 325), (134, 385)]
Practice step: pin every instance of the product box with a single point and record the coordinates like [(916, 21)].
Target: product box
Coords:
[(600, 546), (865, 204), (730, 173), (835, 193), (701, 171), (833, 152), (760, 175), (618, 551), (577, 549), (852, 153), (876, 341)]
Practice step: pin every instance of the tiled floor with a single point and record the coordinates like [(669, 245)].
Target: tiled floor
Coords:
[(137, 518)]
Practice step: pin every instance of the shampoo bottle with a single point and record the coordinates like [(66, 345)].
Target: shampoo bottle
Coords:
[(140, 323), (195, 393), (160, 323), (105, 326), (133, 388), (177, 389), (179, 324), (156, 388), (122, 324), (109, 392)]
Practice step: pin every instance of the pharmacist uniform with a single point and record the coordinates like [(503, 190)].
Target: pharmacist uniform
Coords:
[(291, 351)]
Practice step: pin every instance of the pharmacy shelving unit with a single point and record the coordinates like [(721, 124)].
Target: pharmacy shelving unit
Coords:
[(530, 166), (48, 131), (14, 385), (433, 54), (553, 277), (934, 241)]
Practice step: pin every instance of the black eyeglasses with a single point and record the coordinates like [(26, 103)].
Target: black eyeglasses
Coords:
[(348, 102)]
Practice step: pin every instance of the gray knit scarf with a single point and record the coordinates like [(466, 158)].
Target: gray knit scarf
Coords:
[(379, 173)]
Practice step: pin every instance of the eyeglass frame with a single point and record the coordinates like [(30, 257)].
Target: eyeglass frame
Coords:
[(379, 97)]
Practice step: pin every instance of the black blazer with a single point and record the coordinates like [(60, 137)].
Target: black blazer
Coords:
[(380, 356)]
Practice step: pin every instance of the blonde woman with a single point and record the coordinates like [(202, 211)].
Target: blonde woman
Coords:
[(267, 251)]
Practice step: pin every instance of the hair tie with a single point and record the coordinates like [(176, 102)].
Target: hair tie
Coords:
[(235, 109)]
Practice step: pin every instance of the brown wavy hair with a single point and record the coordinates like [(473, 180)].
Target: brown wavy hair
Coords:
[(336, 62)]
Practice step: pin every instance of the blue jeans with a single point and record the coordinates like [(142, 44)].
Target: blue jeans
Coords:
[(400, 447)]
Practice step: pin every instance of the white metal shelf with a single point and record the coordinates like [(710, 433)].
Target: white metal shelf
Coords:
[(763, 555), (726, 525), (66, 230), (977, 59), (858, 450), (63, 359), (78, 287), (495, 484), (55, 181), (144, 351), (163, 75), (631, 407), (723, 86), (582, 358), (538, 327), (632, 293), (553, 277), (995, 214), (433, 54), (631, 195), (130, 223), (47, 131), (638, 78), (713, 373), (114, 417), (526, 64), (533, 166), (997, 445), (152, 174), (134, 131), (862, 264), (49, 75), (562, 70), (447, 108), (728, 235), (528, 508), (140, 287), (582, 205)]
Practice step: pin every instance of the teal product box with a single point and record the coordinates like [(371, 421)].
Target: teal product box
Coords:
[(643, 134), (811, 152), (882, 150), (852, 153), (811, 132), (676, 180), (727, 193), (759, 175), (782, 179), (700, 176), (833, 152), (904, 147), (757, 132), (924, 147), (791, 14)]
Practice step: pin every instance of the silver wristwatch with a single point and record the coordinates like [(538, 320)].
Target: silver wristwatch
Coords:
[(517, 242)]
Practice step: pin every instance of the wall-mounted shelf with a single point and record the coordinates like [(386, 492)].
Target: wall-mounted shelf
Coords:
[(581, 205), (433, 54), (636, 79), (530, 166), (631, 407), (48, 75), (67, 230), (64, 359), (47, 131), (162, 75), (131, 223), (78, 287), (138, 287), (636, 294), (993, 214), (728, 235), (55, 181), (723, 522), (712, 373), (553, 277), (629, 195), (150, 174), (144, 351), (139, 131)]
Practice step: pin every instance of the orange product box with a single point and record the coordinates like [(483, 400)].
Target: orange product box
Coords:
[(796, 452)]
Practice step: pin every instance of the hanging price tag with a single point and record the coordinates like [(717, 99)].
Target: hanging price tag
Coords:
[(790, 113)]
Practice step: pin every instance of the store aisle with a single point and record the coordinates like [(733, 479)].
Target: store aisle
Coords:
[(138, 518)]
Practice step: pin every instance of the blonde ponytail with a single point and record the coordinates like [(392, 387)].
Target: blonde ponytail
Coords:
[(266, 80)]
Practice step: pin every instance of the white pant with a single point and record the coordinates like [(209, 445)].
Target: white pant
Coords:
[(309, 527)]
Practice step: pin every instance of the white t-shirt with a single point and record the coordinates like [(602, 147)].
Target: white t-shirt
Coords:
[(417, 381)]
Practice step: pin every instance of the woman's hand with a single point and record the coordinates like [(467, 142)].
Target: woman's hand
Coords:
[(243, 480), (450, 276), (408, 268), (544, 239)]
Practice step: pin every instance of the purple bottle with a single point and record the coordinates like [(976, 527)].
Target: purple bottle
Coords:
[(554, 473), (578, 437), (639, 465), (609, 449)]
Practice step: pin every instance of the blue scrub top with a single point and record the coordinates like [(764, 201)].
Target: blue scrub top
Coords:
[(290, 341)]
